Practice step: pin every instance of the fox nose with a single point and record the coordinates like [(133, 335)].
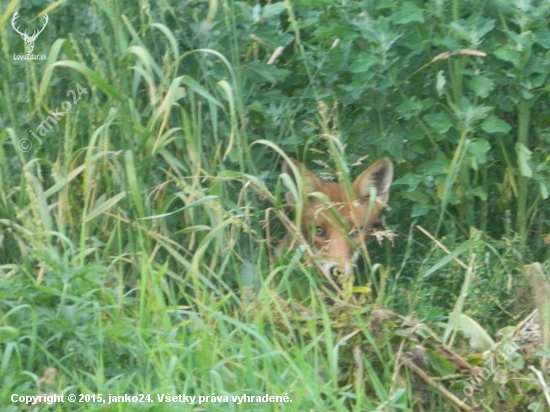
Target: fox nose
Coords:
[(330, 269), (335, 270)]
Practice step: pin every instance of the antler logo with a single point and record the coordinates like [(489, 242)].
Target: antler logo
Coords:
[(29, 40)]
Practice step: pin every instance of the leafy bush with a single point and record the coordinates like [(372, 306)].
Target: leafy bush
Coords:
[(138, 234)]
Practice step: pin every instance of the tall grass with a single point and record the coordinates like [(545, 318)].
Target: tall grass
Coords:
[(137, 239)]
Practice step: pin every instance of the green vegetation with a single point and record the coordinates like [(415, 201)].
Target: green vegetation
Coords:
[(138, 236)]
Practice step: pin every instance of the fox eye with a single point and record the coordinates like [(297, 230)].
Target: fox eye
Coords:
[(320, 232), (354, 232)]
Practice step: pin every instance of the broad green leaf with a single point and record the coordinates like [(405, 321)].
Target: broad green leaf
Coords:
[(417, 196), (409, 108), (440, 364), (493, 124), (440, 122), (470, 113), (524, 157), (420, 210), (478, 337), (507, 53), (273, 9), (542, 37), (543, 186), (409, 12), (271, 73), (363, 62), (410, 180), (479, 192), (479, 148), (482, 86)]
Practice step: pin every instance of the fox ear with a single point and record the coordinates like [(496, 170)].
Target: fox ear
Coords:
[(310, 181), (378, 175)]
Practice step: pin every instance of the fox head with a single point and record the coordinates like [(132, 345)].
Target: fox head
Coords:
[(337, 227)]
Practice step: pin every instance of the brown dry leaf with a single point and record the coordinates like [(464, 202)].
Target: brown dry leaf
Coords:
[(48, 377)]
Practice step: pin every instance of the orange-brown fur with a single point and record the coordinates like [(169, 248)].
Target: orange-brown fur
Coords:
[(335, 238)]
